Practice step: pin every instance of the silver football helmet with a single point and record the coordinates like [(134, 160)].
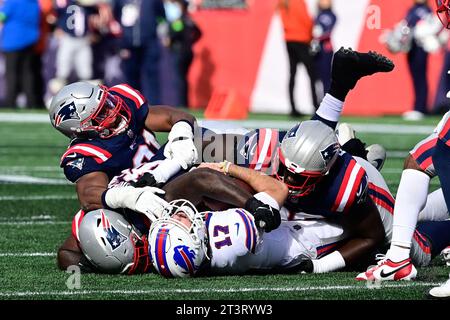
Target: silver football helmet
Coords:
[(178, 240), (307, 153), (112, 244), (82, 110)]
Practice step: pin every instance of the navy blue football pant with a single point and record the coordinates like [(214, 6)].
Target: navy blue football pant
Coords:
[(418, 63)]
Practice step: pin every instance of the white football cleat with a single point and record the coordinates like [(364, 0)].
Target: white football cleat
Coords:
[(441, 292), (376, 155), (387, 270), (345, 133)]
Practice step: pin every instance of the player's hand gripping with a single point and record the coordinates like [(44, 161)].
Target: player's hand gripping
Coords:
[(180, 145), (266, 217)]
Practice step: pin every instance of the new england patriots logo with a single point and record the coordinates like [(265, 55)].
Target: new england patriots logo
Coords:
[(329, 152), (67, 112), (185, 258), (114, 237), (293, 132)]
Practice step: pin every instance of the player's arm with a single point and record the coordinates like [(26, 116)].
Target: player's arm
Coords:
[(163, 118), (203, 184), (259, 181), (180, 125), (366, 233), (90, 189)]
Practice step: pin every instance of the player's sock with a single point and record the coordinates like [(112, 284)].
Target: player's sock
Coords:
[(438, 233), (349, 66), (411, 198), (329, 111)]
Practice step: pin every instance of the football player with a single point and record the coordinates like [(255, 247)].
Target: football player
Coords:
[(428, 159), (111, 129), (183, 241), (348, 68)]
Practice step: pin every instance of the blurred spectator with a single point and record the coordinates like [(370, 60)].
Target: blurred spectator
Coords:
[(140, 46), (105, 40), (298, 27), (418, 62), (323, 27), (47, 22), (183, 33), (74, 41), (20, 33), (441, 104)]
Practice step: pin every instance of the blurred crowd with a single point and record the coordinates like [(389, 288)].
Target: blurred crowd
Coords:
[(79, 37)]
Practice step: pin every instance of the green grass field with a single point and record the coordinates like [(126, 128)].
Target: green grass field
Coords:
[(37, 207)]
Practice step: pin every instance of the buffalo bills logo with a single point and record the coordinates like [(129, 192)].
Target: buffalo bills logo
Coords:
[(329, 152), (185, 258), (67, 112), (114, 237)]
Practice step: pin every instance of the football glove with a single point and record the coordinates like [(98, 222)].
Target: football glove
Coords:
[(305, 265), (266, 217), (146, 180), (144, 200), (180, 145)]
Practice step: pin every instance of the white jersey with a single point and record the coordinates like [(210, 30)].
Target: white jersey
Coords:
[(238, 246), (162, 170)]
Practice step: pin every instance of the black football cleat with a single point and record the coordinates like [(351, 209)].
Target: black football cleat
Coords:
[(349, 66)]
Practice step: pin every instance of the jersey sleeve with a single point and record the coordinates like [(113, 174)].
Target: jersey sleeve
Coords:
[(135, 100), (232, 234), (81, 159), (353, 189), (257, 149)]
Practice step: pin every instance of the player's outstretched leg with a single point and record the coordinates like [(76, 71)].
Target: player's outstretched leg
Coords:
[(349, 66)]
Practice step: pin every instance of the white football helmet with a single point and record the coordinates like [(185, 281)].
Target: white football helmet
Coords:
[(112, 244), (307, 153), (84, 110), (176, 249)]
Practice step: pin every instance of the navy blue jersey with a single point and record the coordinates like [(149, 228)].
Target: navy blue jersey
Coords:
[(127, 150), (345, 185), (73, 18)]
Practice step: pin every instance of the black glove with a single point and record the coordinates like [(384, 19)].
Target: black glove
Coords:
[(305, 265), (266, 217), (146, 180)]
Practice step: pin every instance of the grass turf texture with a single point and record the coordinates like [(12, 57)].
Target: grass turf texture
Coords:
[(36, 218)]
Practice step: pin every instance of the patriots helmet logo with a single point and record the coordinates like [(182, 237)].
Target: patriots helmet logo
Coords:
[(293, 132), (329, 152), (114, 237), (185, 258), (67, 112)]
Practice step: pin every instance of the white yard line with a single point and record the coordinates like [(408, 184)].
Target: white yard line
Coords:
[(32, 180), (211, 290), (44, 198), (29, 223), (249, 124), (27, 254)]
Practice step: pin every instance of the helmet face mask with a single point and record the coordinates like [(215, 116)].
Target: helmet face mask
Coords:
[(84, 110), (178, 240), (443, 12), (111, 118), (300, 184)]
